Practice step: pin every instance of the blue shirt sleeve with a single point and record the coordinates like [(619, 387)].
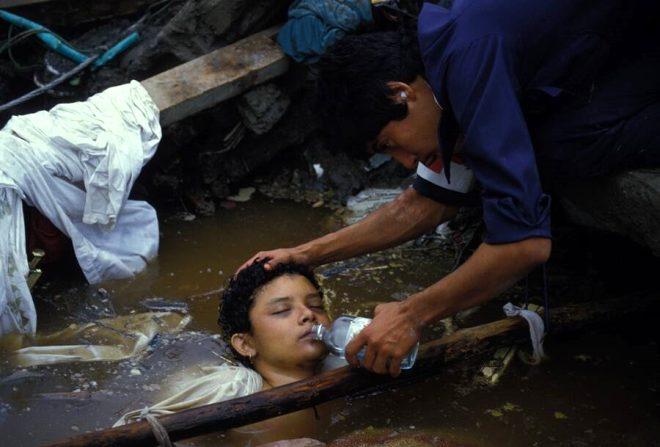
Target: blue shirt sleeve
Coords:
[(482, 91)]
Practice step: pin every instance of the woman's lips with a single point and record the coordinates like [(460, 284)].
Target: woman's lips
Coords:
[(306, 335)]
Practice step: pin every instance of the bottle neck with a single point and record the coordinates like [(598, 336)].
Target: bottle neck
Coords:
[(318, 331)]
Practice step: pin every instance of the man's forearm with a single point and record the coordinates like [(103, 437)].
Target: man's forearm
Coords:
[(489, 271), (405, 218)]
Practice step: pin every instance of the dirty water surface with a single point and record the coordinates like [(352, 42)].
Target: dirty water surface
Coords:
[(599, 390)]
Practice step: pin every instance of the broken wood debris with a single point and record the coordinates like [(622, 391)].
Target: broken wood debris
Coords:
[(499, 363), (215, 77)]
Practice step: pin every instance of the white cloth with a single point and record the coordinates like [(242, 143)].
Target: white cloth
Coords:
[(109, 339), (536, 328), (76, 164), (203, 385)]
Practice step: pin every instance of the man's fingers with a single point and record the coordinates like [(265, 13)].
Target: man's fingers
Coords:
[(273, 262), (250, 261), (395, 366), (380, 363), (353, 348), (369, 358)]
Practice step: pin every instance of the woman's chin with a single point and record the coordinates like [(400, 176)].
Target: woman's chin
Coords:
[(314, 352)]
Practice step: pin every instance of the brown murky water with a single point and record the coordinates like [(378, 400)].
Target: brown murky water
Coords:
[(596, 390)]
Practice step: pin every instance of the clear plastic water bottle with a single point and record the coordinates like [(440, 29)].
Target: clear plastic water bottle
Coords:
[(342, 332)]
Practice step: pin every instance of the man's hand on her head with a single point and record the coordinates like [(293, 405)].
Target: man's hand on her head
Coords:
[(276, 257), (388, 339)]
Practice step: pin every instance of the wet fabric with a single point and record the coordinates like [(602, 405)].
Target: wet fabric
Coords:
[(108, 339), (314, 25), (492, 65), (536, 328), (204, 385), (201, 385), (77, 164)]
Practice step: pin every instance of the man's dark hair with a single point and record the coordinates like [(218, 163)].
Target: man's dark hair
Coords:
[(354, 101), (237, 299)]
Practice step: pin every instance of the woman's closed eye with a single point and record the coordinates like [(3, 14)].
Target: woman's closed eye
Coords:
[(315, 303), (280, 310)]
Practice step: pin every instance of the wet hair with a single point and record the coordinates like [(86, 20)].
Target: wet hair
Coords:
[(353, 99), (238, 297)]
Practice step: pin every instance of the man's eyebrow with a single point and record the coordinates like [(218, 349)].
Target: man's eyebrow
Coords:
[(314, 295)]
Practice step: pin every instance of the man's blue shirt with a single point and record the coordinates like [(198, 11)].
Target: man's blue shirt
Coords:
[(493, 64)]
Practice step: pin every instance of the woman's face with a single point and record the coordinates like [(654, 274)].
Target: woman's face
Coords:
[(282, 316)]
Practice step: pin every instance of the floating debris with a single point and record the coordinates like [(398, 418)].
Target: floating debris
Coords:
[(244, 194), (165, 305)]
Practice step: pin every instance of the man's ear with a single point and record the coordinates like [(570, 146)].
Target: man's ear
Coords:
[(243, 344), (401, 92)]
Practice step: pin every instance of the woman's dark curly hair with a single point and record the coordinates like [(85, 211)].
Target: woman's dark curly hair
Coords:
[(237, 299)]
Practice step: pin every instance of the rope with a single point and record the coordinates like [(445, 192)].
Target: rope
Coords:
[(160, 433)]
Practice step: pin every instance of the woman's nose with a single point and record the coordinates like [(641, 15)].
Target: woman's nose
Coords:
[(306, 315)]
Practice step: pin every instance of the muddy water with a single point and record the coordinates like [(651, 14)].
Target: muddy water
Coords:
[(595, 390)]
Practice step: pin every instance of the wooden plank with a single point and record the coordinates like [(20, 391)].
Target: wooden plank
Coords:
[(215, 77), (461, 346)]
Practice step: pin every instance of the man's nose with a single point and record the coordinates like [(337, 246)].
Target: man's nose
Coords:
[(409, 161)]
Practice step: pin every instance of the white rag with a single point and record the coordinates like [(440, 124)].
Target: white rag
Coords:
[(536, 328)]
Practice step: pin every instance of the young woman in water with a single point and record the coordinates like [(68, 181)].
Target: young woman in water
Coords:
[(266, 317)]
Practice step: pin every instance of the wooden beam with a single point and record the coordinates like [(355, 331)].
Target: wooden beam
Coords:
[(217, 76), (462, 345)]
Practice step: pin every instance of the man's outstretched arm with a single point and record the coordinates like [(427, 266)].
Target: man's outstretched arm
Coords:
[(403, 219), (397, 326)]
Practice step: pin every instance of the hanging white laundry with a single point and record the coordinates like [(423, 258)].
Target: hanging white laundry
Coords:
[(76, 164)]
